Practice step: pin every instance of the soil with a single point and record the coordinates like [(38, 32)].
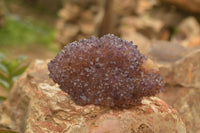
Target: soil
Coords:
[(32, 51)]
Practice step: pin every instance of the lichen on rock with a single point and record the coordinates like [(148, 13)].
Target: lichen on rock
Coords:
[(106, 71)]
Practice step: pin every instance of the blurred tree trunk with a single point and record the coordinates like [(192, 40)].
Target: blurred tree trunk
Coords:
[(106, 18)]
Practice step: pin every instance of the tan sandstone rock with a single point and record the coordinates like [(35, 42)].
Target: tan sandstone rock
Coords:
[(186, 103), (185, 72), (180, 68), (37, 105), (166, 52)]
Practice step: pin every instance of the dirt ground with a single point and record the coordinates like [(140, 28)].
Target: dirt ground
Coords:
[(32, 51)]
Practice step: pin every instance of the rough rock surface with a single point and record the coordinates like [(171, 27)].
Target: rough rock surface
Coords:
[(186, 103), (3, 92), (164, 51), (36, 104), (182, 76), (185, 72)]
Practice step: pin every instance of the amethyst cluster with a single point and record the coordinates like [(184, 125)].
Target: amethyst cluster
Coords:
[(105, 71)]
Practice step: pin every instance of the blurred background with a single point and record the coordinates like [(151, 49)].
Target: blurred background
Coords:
[(164, 30), (32, 27)]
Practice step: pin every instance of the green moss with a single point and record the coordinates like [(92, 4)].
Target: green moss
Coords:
[(17, 31)]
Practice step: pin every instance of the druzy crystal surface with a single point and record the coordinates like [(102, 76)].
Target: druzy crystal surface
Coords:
[(105, 71)]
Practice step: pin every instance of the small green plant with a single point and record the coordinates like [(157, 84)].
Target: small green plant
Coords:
[(10, 70)]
